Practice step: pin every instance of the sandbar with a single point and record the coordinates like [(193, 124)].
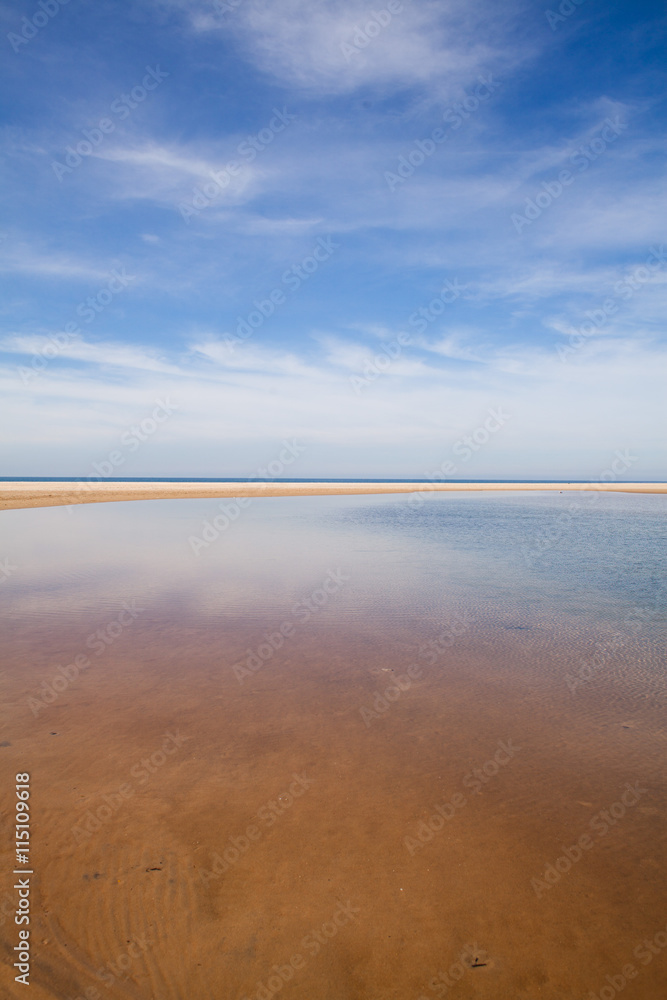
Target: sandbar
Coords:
[(16, 495)]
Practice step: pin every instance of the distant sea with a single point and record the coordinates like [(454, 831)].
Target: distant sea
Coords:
[(254, 479)]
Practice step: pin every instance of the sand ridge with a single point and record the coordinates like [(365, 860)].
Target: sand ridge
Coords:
[(17, 495)]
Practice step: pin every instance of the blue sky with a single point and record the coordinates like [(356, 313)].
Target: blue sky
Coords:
[(367, 229)]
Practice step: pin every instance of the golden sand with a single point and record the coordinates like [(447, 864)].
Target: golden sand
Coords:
[(55, 494)]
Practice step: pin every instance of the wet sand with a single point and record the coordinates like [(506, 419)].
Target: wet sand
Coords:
[(204, 832), (151, 870)]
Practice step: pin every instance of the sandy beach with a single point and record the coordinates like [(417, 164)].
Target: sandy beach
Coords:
[(293, 732), (57, 494), (194, 833), (359, 744)]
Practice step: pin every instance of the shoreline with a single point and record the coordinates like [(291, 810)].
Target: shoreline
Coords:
[(21, 495)]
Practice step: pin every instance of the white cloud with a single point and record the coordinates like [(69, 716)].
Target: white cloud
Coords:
[(344, 353), (303, 44), (22, 258), (454, 346), (257, 225), (168, 174), (609, 396), (251, 358), (356, 358), (104, 355)]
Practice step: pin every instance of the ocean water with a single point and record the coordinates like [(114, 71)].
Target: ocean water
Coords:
[(332, 748)]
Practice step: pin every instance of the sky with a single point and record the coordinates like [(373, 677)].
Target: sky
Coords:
[(326, 238)]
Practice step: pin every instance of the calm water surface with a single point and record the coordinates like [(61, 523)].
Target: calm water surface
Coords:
[(339, 748)]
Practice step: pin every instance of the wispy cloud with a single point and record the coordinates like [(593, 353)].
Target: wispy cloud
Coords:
[(104, 355), (309, 395), (329, 47), (168, 174), (359, 94), (21, 258)]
